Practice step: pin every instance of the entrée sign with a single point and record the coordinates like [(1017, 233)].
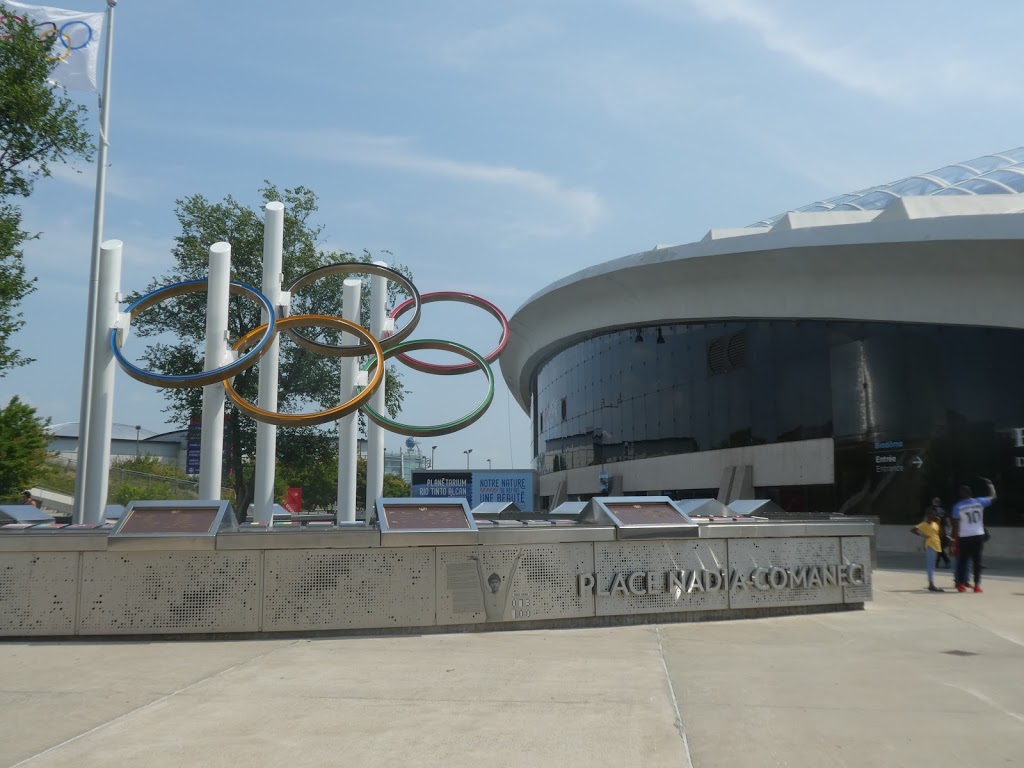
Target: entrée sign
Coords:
[(704, 580)]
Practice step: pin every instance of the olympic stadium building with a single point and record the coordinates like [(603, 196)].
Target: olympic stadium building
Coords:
[(858, 355)]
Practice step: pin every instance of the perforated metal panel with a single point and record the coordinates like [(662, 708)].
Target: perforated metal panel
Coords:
[(169, 592), (857, 549), (658, 558), (38, 593), (515, 583), (346, 589), (746, 555)]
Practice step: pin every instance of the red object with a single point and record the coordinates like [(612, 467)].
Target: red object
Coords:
[(977, 589), (293, 500), (961, 588)]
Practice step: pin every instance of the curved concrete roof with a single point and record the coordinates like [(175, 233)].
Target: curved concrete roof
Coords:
[(950, 260)]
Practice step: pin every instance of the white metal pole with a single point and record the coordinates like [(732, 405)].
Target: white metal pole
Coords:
[(95, 501), (266, 434), (211, 452), (348, 426), (88, 362), (375, 434)]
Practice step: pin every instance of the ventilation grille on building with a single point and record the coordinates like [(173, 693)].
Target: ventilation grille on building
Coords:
[(727, 353)]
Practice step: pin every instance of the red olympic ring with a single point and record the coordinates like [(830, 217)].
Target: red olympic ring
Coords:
[(465, 298)]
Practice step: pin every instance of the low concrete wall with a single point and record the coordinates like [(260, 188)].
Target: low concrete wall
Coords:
[(1005, 542), (56, 585)]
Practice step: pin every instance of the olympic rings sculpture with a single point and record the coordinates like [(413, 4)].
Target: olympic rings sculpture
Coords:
[(185, 380), (321, 417), (255, 343), (465, 298)]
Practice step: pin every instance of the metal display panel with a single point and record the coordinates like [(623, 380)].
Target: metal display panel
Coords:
[(415, 522), (23, 513), (758, 507), (569, 509), (348, 589), (664, 576), (155, 524), (492, 509), (786, 572), (641, 517), (513, 583), (38, 593), (703, 508), (169, 592), (857, 550)]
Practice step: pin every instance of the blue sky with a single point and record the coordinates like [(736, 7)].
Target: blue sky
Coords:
[(496, 147)]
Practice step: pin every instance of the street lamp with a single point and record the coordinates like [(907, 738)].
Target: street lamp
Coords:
[(488, 465), (138, 429), (432, 449), (467, 452)]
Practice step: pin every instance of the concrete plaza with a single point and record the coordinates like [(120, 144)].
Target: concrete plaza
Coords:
[(916, 679)]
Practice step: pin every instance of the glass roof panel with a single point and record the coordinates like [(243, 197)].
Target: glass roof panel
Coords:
[(1015, 154), (915, 185), (952, 173), (876, 201), (982, 187), (1013, 179), (986, 163), (984, 175)]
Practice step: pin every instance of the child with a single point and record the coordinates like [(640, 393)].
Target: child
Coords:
[(929, 529)]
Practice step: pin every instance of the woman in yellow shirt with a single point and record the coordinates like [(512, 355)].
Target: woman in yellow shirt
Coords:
[(929, 529)]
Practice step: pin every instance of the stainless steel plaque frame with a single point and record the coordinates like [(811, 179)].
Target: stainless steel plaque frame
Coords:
[(657, 517), (392, 534), (125, 534)]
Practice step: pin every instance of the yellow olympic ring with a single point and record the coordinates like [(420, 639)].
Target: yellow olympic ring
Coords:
[(67, 43), (319, 417)]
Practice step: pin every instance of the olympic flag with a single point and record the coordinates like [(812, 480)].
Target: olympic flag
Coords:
[(78, 41)]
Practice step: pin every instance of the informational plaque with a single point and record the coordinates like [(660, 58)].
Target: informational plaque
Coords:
[(417, 521), (426, 517), (657, 513), (163, 519), (637, 517)]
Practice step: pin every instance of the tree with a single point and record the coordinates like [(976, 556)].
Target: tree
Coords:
[(39, 126), (22, 447), (394, 487), (307, 380)]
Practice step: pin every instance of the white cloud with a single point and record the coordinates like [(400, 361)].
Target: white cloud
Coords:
[(580, 209), (487, 43), (884, 62)]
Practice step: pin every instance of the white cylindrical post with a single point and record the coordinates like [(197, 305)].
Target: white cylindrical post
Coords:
[(211, 452), (89, 362), (348, 426), (374, 434), (94, 501), (266, 434)]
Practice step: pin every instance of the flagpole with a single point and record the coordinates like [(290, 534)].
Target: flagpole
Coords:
[(85, 425)]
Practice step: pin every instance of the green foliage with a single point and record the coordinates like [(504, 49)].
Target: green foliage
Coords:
[(39, 126), (56, 477), (394, 486), (150, 465), (22, 447), (307, 381)]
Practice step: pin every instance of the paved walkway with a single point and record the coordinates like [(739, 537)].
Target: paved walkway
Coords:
[(917, 679)]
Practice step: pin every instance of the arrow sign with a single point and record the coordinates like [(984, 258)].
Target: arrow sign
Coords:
[(917, 462)]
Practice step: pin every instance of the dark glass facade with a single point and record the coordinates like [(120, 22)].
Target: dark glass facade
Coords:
[(914, 409)]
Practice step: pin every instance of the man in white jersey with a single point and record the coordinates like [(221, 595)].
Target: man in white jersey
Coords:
[(969, 531)]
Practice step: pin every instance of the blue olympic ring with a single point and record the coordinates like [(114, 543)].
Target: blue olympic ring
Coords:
[(202, 378), (60, 35)]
